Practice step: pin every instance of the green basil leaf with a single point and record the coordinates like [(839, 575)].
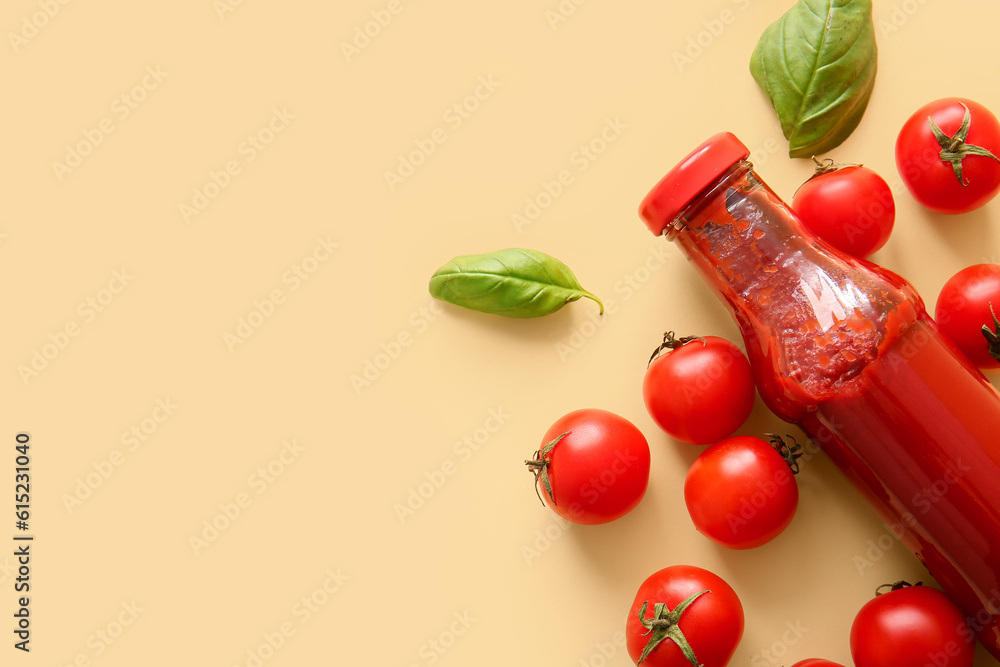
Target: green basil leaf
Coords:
[(512, 282), (817, 65)]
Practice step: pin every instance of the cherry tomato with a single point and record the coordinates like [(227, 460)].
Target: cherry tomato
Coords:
[(817, 662), (592, 467), (741, 492), (850, 207), (699, 390), (963, 308), (946, 154), (684, 616), (911, 626)]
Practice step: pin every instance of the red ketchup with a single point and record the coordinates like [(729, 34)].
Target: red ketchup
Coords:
[(846, 350)]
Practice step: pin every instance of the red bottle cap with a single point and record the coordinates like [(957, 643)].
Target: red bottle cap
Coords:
[(689, 178)]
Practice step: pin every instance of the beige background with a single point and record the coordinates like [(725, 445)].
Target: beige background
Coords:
[(480, 573)]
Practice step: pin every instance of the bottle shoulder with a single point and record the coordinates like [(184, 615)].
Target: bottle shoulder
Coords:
[(829, 329), (812, 317)]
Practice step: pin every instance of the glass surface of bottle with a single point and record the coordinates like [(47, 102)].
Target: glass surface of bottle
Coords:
[(846, 350)]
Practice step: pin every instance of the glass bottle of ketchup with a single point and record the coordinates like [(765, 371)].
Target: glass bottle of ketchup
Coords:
[(846, 350)]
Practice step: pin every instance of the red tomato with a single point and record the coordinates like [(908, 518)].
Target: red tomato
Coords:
[(699, 391), (593, 466), (946, 154), (699, 619), (912, 626), (741, 493), (850, 207), (963, 309), (817, 662)]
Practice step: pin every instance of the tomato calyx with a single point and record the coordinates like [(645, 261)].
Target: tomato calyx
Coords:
[(671, 342), (539, 466), (895, 586), (790, 454), (664, 625), (993, 335), (954, 149), (826, 166)]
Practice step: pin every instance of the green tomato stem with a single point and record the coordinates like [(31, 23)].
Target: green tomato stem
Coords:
[(790, 454), (664, 625), (539, 466), (993, 335), (895, 586), (954, 149), (670, 342)]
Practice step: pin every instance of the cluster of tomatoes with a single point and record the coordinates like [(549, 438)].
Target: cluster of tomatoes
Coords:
[(593, 466), (740, 492)]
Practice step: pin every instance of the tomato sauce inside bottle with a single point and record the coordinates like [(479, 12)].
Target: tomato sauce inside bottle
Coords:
[(845, 349), (919, 434)]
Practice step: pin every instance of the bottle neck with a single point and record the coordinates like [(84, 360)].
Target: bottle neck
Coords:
[(695, 215), (740, 232)]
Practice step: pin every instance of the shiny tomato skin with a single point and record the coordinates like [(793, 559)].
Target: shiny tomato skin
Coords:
[(931, 180), (817, 662), (851, 208), (713, 623), (963, 307), (911, 627), (741, 493), (701, 391), (600, 470)]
